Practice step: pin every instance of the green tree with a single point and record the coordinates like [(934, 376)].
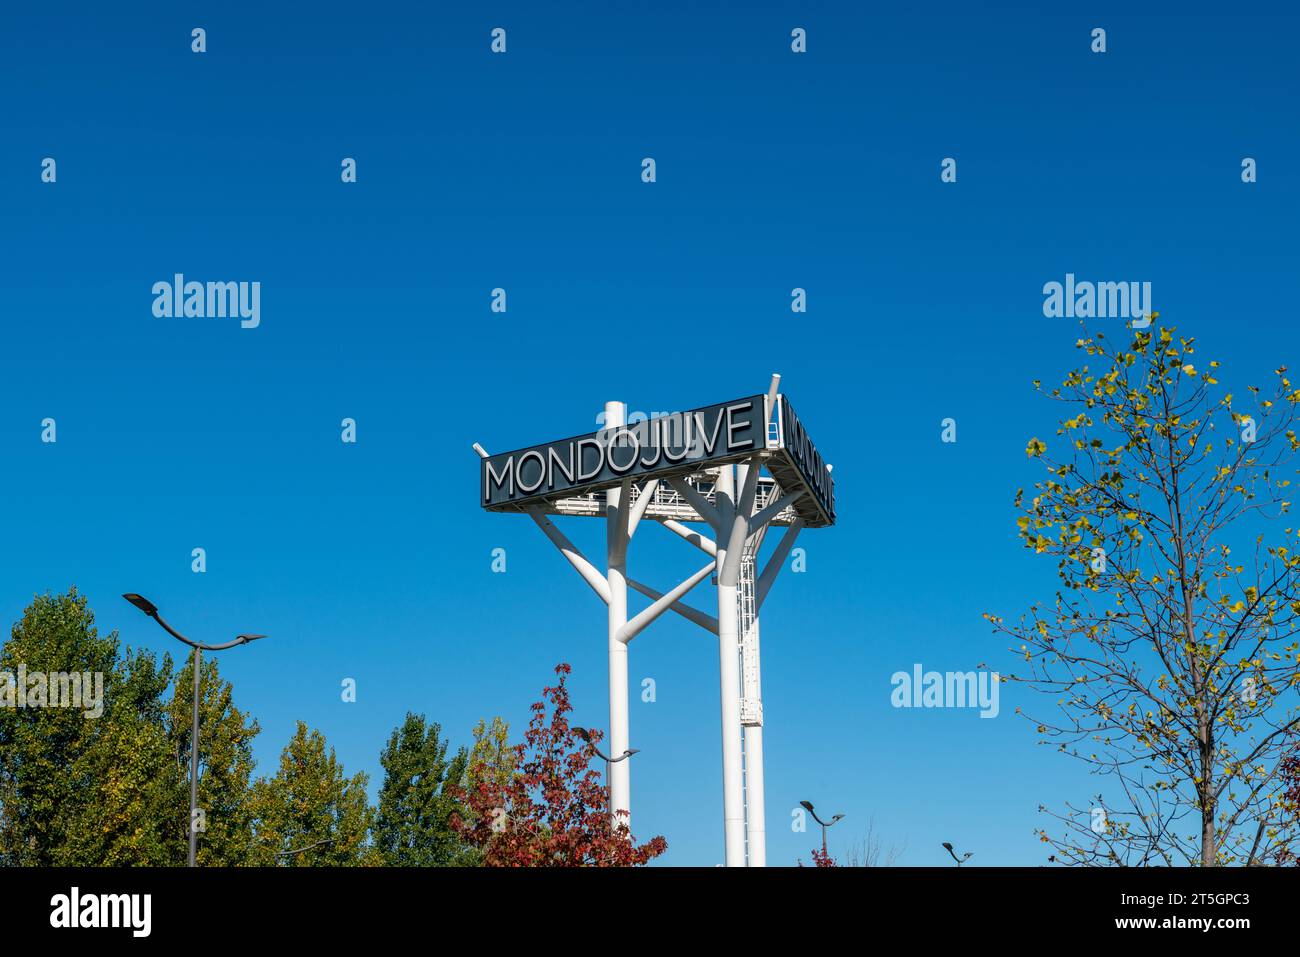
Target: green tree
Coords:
[(134, 786), (225, 765), (413, 820), (493, 765), (491, 756), (1169, 663), (79, 789), (310, 813)]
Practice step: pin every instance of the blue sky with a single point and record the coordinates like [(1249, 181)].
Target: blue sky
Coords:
[(522, 171)]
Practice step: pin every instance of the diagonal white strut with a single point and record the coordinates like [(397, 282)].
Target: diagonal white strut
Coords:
[(662, 603), (570, 551), (707, 622)]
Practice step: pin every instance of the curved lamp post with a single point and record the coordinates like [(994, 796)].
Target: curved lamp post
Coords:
[(807, 806), (960, 860), (609, 798), (150, 609)]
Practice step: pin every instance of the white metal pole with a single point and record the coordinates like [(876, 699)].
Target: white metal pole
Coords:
[(733, 811), (755, 814), (617, 502)]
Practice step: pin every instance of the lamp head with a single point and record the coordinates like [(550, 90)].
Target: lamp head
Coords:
[(807, 806), (247, 638), (144, 604)]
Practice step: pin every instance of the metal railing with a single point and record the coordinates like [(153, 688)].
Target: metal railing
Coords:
[(668, 504)]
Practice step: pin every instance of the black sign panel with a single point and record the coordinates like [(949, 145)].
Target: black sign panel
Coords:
[(678, 443), (800, 451)]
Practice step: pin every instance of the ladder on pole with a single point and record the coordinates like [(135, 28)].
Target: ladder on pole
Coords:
[(751, 704)]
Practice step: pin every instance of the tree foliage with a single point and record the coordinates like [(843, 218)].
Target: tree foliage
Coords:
[(112, 789), (418, 798), (310, 813), (1170, 661), (821, 859), (225, 763), (78, 790), (552, 811), (491, 756)]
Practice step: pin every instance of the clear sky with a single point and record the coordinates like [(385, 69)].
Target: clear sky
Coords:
[(522, 171)]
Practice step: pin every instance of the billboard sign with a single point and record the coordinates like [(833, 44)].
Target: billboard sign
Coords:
[(680, 443), (800, 454)]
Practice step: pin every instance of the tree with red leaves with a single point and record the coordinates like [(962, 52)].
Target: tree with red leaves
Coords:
[(1289, 772), (552, 811), (821, 859)]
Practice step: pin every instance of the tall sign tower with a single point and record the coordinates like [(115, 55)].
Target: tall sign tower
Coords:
[(737, 468)]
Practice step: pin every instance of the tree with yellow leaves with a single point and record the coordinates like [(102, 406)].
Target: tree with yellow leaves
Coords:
[(1171, 663)]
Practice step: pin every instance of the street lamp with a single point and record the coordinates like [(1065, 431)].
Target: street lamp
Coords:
[(825, 824), (150, 609), (609, 799), (960, 860)]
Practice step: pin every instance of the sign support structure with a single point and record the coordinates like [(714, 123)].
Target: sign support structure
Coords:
[(622, 515), (712, 475)]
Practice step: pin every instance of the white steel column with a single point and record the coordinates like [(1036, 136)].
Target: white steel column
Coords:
[(733, 810), (755, 807), (755, 814), (617, 503)]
